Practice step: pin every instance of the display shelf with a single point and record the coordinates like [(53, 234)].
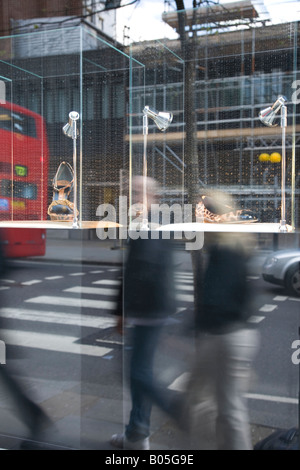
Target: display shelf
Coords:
[(50, 224), (246, 228)]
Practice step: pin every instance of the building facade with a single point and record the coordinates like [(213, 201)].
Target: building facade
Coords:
[(238, 72)]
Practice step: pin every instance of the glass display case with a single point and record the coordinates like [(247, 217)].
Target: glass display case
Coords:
[(46, 76), (218, 145), (102, 142), (236, 167)]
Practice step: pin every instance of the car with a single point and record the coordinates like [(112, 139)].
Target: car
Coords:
[(283, 268)]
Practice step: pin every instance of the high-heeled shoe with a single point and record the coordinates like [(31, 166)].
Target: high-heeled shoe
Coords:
[(208, 210), (61, 208)]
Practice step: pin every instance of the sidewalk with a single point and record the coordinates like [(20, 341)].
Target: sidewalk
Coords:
[(83, 251), (83, 247), (94, 251)]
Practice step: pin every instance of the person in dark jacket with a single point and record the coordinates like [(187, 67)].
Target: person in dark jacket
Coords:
[(147, 300)]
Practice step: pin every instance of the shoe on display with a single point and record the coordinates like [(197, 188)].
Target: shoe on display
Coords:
[(61, 208), (209, 210)]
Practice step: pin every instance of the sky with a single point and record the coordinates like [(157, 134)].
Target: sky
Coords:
[(144, 17), (144, 20)]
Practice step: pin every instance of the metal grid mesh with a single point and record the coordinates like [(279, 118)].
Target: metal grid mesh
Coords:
[(237, 74)]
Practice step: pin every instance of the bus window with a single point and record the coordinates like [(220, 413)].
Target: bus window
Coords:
[(23, 179)]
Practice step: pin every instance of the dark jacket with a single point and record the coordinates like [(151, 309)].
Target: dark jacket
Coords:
[(148, 284), (225, 297)]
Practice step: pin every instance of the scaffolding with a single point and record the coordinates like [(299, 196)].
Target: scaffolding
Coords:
[(238, 73)]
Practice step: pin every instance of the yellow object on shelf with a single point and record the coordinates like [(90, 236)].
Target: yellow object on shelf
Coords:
[(264, 157), (275, 157)]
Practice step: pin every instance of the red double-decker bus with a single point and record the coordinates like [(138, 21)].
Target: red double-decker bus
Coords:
[(23, 180)]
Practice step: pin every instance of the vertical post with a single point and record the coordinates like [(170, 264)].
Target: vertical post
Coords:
[(74, 137), (283, 227), (299, 389), (70, 130), (79, 202), (145, 225)]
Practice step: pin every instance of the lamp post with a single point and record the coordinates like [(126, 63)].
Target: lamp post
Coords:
[(162, 121), (267, 117), (71, 130)]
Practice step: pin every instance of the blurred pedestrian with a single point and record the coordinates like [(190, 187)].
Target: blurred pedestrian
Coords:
[(226, 344), (31, 414), (147, 301)]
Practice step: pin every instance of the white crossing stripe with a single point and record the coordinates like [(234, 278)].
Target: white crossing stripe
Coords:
[(255, 319), (70, 302), (184, 287), (258, 396), (185, 297), (280, 298), (187, 275), (110, 282), (31, 283), (77, 274), (96, 272), (53, 278), (92, 290), (108, 341), (180, 309), (89, 303), (181, 382), (60, 318), (268, 308), (56, 343)]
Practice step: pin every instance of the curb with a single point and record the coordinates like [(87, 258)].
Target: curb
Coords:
[(67, 261)]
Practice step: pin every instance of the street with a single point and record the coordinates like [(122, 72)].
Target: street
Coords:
[(58, 326)]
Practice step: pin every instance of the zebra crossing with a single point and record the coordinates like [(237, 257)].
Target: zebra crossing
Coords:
[(64, 308), (86, 333), (98, 297)]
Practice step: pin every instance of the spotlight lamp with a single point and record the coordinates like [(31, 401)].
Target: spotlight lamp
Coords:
[(267, 117), (162, 121), (70, 130)]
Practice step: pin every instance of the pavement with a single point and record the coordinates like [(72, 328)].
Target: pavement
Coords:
[(83, 247), (84, 418)]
